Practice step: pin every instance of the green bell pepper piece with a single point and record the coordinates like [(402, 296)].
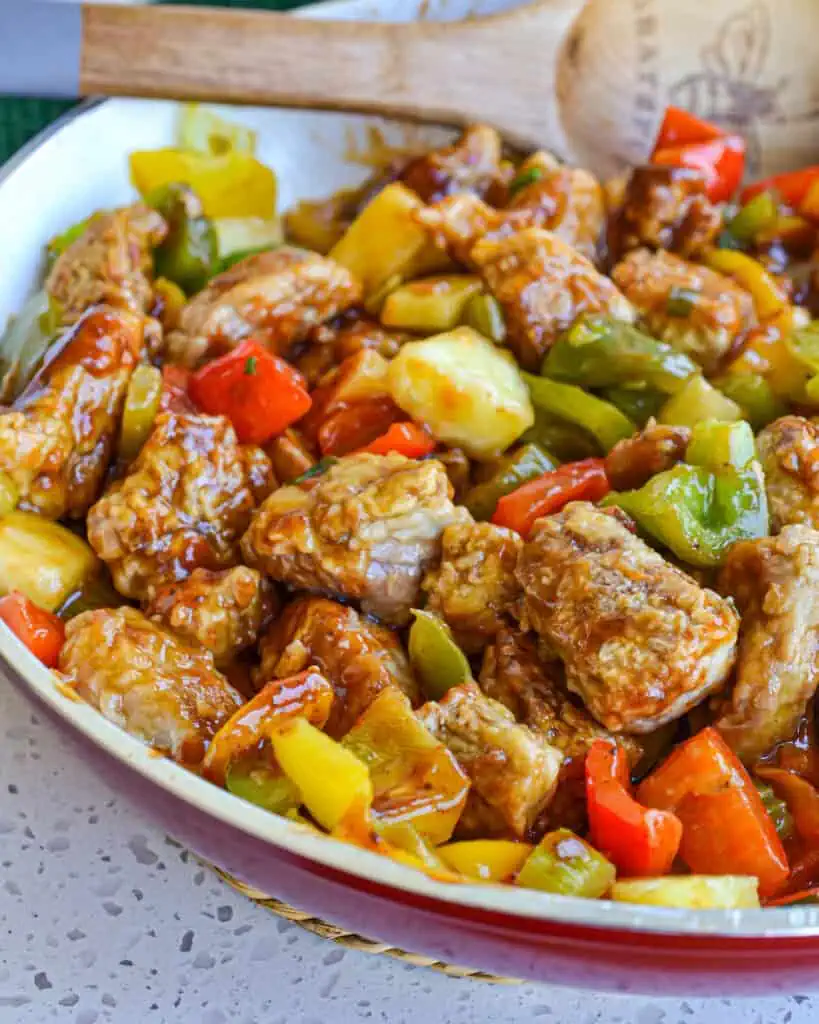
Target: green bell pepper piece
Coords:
[(232, 258), (404, 836), (188, 255), (438, 661), (602, 420), (698, 513), (483, 314), (803, 345), (96, 592), (639, 404), (755, 397), (59, 243), (564, 863), (696, 401), (266, 787), (755, 216), (26, 341), (510, 471), (597, 352), (565, 441)]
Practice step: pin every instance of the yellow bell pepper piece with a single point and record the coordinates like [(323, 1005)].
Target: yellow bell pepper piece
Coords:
[(415, 778), (9, 494), (768, 354), (385, 240), (172, 301), (331, 780), (488, 860), (230, 185), (769, 298)]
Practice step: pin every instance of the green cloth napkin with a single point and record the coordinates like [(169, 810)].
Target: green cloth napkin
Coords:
[(20, 119)]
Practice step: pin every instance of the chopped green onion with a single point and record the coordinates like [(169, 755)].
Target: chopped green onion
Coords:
[(320, 467), (777, 810), (250, 366), (527, 177)]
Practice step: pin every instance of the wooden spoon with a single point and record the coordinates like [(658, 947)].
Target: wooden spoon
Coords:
[(589, 80)]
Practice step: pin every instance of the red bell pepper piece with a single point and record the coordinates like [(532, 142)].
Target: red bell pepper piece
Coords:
[(680, 127), (722, 161), (792, 186), (261, 394), (576, 481), (804, 871), (726, 829), (801, 797), (803, 896), (42, 632), (349, 427), (636, 839), (405, 438)]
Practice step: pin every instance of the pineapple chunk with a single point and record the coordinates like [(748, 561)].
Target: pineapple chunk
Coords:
[(202, 130), (384, 240), (42, 559), (332, 781), (488, 860), (415, 778), (464, 389), (431, 304), (698, 400), (692, 892), (363, 375), (235, 235)]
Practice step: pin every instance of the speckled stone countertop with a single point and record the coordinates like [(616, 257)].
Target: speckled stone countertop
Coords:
[(103, 919)]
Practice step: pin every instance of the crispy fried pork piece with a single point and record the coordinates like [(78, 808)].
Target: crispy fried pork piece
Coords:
[(368, 530), (789, 453), (775, 582), (185, 504), (513, 771), (224, 611), (58, 439), (474, 587), (359, 657), (693, 308), (277, 296), (150, 683), (641, 642)]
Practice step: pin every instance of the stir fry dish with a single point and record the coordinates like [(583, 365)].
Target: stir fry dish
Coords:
[(470, 516)]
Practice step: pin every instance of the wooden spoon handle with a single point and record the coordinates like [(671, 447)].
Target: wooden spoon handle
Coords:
[(450, 72)]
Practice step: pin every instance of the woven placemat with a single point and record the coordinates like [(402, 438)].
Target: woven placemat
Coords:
[(352, 940)]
